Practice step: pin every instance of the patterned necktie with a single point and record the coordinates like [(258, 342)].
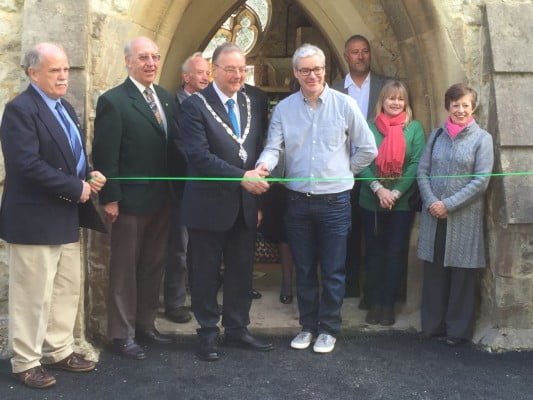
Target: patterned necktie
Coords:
[(73, 139), (148, 92), (233, 118)]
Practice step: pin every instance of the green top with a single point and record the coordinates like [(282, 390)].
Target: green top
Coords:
[(415, 139)]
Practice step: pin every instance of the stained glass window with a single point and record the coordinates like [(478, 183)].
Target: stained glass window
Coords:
[(244, 27)]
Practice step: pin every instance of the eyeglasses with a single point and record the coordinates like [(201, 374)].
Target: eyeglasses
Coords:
[(232, 70), (146, 57), (307, 71)]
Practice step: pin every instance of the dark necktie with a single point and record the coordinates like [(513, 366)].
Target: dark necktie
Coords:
[(73, 139), (148, 92), (233, 118)]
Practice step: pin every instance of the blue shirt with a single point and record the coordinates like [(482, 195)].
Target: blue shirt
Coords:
[(51, 103), (327, 142)]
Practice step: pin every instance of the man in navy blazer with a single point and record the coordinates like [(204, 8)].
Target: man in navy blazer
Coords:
[(44, 203), (222, 137)]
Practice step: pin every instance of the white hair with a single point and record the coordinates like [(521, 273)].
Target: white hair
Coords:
[(307, 50)]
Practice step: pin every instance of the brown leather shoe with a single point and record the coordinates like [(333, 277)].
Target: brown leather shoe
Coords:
[(36, 377), (74, 363), (179, 315)]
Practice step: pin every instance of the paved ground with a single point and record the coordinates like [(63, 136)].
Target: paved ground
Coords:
[(387, 365)]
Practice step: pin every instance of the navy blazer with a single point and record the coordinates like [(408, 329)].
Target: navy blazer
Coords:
[(41, 190), (212, 152)]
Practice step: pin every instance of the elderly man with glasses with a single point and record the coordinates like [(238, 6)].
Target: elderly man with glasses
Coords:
[(326, 141), (133, 133), (221, 129)]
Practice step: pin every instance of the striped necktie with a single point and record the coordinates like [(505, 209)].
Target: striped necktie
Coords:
[(148, 92)]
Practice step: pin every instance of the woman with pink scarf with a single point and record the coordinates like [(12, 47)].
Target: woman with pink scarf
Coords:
[(452, 177), (386, 214)]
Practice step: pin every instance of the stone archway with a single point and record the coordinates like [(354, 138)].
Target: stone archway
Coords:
[(402, 37), (429, 54)]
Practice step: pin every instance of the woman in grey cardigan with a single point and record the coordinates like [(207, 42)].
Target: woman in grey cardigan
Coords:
[(451, 227)]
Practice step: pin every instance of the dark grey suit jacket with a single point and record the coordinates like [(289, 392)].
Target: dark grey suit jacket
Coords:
[(212, 152), (376, 84)]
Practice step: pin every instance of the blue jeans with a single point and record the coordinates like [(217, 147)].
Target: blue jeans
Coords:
[(386, 236), (317, 228)]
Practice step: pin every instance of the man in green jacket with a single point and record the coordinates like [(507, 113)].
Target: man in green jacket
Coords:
[(134, 132)]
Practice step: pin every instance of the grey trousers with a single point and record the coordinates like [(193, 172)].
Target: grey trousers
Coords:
[(449, 294), (136, 266)]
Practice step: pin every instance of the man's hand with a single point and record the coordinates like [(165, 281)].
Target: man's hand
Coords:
[(263, 168), (86, 192), (111, 211), (438, 210), (97, 181), (254, 186)]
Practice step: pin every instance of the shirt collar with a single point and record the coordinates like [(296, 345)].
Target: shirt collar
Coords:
[(323, 96), (222, 96), (51, 103), (140, 86), (348, 81)]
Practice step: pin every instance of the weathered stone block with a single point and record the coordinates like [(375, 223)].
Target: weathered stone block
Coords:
[(517, 189), (513, 96), (511, 35), (514, 294)]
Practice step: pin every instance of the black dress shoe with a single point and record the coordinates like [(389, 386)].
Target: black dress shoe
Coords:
[(256, 295), (373, 316), (247, 341), (387, 317), (285, 299), (208, 348), (129, 348), (152, 336), (180, 315), (454, 341)]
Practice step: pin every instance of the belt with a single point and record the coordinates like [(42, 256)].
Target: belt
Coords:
[(311, 196)]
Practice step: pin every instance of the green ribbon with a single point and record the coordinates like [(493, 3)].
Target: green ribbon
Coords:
[(222, 179)]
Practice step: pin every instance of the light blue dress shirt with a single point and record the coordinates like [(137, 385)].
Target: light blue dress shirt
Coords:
[(51, 103), (330, 143)]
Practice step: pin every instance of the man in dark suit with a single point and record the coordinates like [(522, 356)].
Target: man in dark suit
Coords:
[(44, 203), (195, 76), (364, 86), (133, 136), (222, 138)]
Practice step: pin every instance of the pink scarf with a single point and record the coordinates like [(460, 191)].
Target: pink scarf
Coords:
[(455, 129), (391, 152)]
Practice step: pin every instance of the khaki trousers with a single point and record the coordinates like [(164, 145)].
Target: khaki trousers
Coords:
[(44, 294)]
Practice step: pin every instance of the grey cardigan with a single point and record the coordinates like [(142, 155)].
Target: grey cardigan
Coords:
[(471, 152)]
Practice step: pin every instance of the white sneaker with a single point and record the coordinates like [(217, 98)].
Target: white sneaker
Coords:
[(302, 340), (324, 343)]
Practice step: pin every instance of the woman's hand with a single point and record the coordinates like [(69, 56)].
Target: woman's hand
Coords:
[(438, 210), (386, 198)]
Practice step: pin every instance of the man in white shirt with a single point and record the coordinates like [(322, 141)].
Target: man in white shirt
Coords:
[(364, 86)]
